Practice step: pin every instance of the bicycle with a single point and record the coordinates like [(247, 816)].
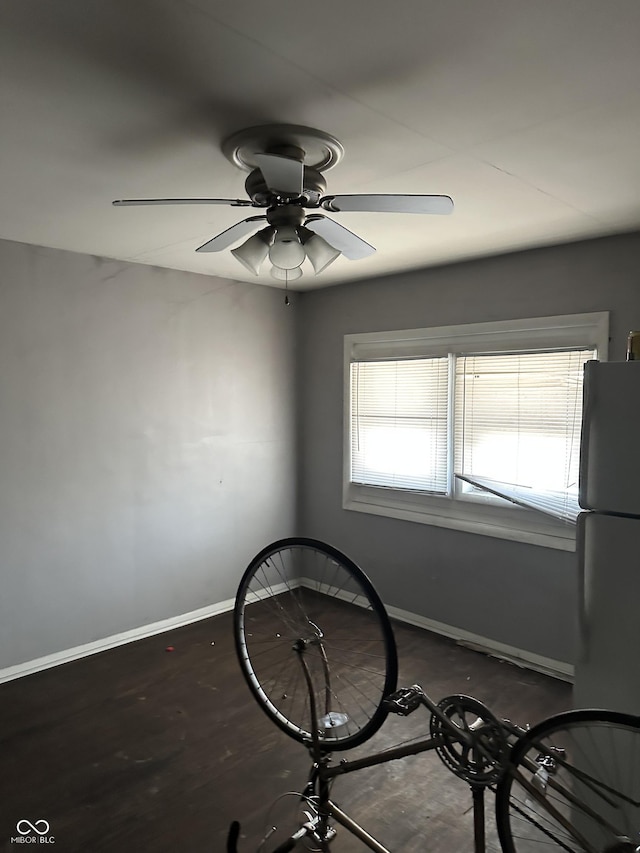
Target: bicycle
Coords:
[(567, 784)]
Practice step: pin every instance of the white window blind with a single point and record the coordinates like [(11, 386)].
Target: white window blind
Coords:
[(399, 423), (517, 426)]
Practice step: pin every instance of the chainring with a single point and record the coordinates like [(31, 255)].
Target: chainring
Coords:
[(473, 742)]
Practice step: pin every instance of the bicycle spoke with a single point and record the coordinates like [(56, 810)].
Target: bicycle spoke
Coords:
[(573, 785)]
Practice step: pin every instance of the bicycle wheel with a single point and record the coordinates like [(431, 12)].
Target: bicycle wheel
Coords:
[(301, 600), (573, 784)]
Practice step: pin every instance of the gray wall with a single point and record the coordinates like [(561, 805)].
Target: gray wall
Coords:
[(147, 443), (512, 593)]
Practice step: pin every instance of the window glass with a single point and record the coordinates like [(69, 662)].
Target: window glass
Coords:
[(399, 423), (517, 424)]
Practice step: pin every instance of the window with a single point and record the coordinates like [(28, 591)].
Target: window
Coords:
[(474, 427), (399, 423)]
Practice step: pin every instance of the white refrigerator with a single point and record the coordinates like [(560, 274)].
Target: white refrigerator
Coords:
[(607, 671)]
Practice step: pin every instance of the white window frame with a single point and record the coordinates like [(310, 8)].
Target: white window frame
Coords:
[(512, 522)]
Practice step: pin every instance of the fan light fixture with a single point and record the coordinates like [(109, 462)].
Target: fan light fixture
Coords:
[(287, 247), (286, 252), (319, 252), (286, 275), (252, 253)]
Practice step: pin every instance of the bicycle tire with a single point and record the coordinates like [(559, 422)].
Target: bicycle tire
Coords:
[(303, 590), (593, 787)]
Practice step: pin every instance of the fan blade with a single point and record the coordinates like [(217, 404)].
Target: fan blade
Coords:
[(236, 232), (130, 202), (281, 174), (345, 241), (389, 203)]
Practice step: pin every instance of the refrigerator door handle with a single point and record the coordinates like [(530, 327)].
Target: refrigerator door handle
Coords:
[(583, 621)]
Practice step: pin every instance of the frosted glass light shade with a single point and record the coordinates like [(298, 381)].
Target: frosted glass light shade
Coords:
[(286, 275), (287, 251), (319, 252), (252, 253)]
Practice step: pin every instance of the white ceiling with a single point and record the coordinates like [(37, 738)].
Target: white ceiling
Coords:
[(526, 112)]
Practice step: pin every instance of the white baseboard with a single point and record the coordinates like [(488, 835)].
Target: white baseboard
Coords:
[(520, 657), (67, 655)]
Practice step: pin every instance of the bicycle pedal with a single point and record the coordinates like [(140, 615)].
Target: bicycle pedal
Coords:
[(404, 701)]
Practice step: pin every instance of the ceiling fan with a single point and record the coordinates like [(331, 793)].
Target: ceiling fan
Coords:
[(285, 165)]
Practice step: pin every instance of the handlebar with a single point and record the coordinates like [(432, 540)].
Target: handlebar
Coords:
[(232, 837), (290, 843)]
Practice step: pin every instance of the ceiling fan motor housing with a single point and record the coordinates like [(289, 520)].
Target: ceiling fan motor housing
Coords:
[(291, 215), (314, 187)]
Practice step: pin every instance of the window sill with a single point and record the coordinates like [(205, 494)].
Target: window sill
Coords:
[(515, 524)]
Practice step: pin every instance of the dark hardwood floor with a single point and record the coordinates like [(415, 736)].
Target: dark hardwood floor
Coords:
[(142, 749)]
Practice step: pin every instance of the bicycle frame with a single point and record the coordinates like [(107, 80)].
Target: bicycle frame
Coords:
[(323, 773), (317, 789)]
